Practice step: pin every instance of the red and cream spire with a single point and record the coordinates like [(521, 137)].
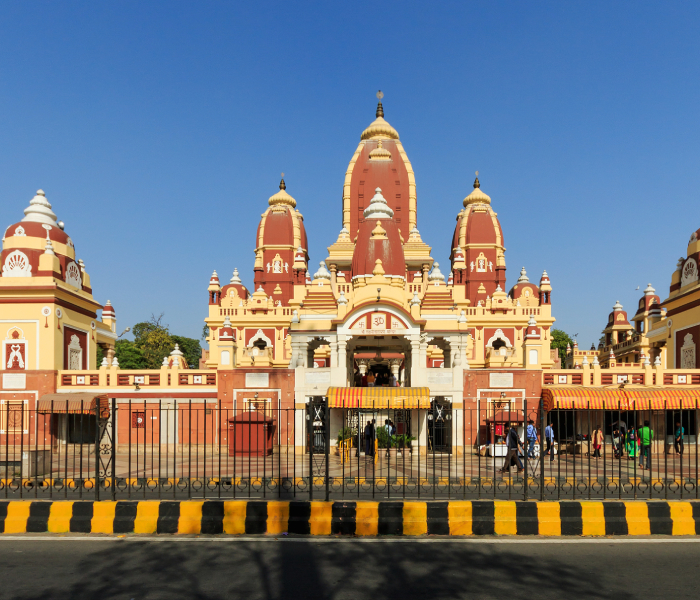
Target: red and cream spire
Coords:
[(478, 241), (379, 161), (281, 234)]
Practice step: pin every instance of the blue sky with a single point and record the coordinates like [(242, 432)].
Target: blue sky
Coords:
[(159, 129)]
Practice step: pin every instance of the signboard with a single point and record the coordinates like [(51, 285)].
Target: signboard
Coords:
[(501, 380), (14, 381), (316, 376), (439, 377), (257, 380)]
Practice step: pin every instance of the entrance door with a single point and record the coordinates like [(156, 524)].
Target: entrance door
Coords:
[(82, 428), (316, 415), (440, 426)]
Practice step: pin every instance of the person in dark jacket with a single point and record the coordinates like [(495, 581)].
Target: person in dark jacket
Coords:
[(513, 443), (368, 438)]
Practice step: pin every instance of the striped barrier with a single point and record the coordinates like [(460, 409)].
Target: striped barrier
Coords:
[(482, 517)]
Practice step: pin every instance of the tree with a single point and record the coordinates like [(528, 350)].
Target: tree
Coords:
[(100, 355), (153, 339), (190, 348), (129, 355), (560, 340)]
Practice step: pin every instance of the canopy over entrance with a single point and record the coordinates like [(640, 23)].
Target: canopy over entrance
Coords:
[(79, 402), (620, 398), (379, 397)]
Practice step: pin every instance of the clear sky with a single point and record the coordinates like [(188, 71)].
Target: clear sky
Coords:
[(158, 130)]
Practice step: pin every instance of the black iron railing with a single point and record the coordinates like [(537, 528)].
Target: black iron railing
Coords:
[(121, 450)]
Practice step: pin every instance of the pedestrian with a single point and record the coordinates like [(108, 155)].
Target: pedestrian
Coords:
[(632, 447), (597, 442), (363, 380), (368, 439), (549, 438), (513, 443), (678, 438), (370, 379), (622, 432), (393, 427), (531, 438), (646, 437), (617, 443)]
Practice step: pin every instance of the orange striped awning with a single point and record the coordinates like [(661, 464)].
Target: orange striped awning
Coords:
[(620, 398), (379, 397)]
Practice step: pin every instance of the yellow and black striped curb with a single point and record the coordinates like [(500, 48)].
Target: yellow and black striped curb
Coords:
[(479, 517)]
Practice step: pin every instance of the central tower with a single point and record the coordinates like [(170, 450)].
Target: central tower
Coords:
[(380, 162)]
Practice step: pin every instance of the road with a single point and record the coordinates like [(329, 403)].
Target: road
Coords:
[(224, 568)]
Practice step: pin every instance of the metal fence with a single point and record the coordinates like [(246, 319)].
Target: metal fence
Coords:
[(122, 450)]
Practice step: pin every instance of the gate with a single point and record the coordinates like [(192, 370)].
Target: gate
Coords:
[(440, 426)]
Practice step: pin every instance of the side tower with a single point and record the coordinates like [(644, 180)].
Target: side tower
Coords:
[(478, 254), (280, 235)]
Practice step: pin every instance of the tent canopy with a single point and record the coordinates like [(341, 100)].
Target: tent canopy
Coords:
[(379, 397), (76, 403), (620, 398)]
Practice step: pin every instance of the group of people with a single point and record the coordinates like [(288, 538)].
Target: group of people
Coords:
[(634, 441), (513, 444), (370, 434), (372, 379)]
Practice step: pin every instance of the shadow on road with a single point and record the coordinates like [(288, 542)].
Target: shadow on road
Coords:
[(144, 570)]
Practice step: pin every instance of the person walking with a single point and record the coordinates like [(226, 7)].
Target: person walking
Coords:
[(622, 433), (368, 439), (632, 447), (646, 437), (678, 438), (531, 438), (549, 438), (513, 443), (597, 442), (370, 379)]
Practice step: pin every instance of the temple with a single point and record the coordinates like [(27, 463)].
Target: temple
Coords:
[(377, 329)]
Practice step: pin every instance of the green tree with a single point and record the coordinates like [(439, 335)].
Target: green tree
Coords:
[(129, 355), (190, 348), (153, 339), (100, 355), (560, 339)]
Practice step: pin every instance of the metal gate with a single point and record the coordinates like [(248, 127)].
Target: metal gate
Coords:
[(440, 426), (317, 413)]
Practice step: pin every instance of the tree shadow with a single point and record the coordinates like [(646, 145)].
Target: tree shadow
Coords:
[(143, 570)]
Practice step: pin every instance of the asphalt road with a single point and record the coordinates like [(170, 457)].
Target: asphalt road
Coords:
[(85, 569)]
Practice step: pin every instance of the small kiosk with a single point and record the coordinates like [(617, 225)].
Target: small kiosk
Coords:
[(497, 426), (250, 434)]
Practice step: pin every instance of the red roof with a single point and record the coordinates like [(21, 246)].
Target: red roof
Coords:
[(388, 250)]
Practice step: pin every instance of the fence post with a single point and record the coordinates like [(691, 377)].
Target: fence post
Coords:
[(97, 450), (542, 444), (327, 444), (310, 440), (113, 485), (527, 447)]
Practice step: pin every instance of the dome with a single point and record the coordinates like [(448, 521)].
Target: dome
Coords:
[(379, 128), (36, 234), (378, 207), (380, 153), (282, 197), (477, 196)]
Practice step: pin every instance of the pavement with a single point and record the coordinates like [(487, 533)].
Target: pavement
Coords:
[(138, 568)]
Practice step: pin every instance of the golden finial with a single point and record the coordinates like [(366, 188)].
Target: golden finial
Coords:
[(283, 185), (476, 181), (380, 108)]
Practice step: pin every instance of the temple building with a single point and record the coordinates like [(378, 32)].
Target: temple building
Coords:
[(380, 303), (431, 336)]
